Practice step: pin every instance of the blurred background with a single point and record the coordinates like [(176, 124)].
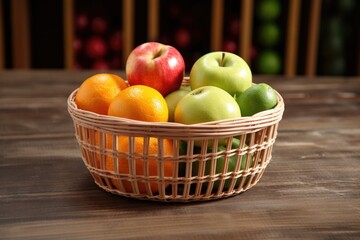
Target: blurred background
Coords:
[(280, 37)]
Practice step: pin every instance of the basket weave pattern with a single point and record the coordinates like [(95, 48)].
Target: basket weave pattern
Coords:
[(189, 173)]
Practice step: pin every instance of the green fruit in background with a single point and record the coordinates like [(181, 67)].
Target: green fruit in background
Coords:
[(346, 6), (267, 9), (268, 34), (268, 62), (256, 99), (333, 66)]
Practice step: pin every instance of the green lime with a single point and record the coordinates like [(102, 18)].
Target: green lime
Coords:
[(267, 9), (268, 34), (268, 62), (257, 98)]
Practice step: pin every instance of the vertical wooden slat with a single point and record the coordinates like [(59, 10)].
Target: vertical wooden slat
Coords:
[(291, 52), (68, 18), (246, 29), (128, 27), (217, 24), (20, 33), (313, 37), (2, 37), (153, 20)]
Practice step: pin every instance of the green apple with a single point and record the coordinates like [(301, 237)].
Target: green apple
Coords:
[(206, 104), (221, 69), (172, 99)]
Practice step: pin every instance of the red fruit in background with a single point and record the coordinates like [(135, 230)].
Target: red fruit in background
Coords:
[(99, 25), (116, 62), (116, 41), (96, 47), (101, 65), (229, 46), (174, 10), (234, 27), (182, 38), (82, 21), (253, 53), (77, 66), (77, 44)]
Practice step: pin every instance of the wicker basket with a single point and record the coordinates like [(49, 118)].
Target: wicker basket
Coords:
[(204, 163)]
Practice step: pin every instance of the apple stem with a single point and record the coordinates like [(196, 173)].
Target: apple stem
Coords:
[(222, 59)]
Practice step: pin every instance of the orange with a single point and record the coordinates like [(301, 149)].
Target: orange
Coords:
[(97, 91), (140, 102), (151, 151)]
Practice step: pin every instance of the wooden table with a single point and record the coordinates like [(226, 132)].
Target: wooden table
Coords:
[(310, 190)]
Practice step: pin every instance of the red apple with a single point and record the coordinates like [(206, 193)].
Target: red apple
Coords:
[(96, 47), (156, 65)]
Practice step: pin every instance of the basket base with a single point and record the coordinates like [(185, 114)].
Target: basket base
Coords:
[(180, 195)]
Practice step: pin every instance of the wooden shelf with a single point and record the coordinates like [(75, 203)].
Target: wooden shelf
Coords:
[(2, 37), (21, 42)]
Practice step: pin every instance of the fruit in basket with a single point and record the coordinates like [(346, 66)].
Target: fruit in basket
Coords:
[(151, 147), (156, 65), (257, 98), (206, 104), (97, 91), (172, 99), (140, 102), (221, 69), (219, 165)]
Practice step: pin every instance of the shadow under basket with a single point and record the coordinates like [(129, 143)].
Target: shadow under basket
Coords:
[(173, 162)]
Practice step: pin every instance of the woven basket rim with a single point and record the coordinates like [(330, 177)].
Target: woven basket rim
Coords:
[(275, 114)]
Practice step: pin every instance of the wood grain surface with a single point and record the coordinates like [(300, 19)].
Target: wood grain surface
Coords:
[(310, 190)]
